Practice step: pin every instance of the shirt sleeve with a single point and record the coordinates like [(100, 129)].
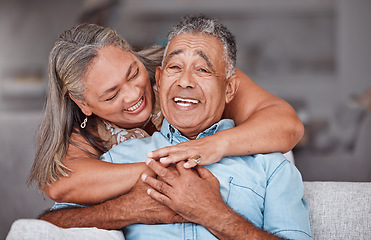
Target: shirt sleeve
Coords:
[(58, 206), (106, 157), (286, 214)]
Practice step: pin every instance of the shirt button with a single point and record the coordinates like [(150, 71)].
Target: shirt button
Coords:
[(172, 130), (168, 135)]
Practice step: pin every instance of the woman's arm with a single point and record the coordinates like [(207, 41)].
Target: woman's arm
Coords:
[(92, 180), (265, 123), (131, 208)]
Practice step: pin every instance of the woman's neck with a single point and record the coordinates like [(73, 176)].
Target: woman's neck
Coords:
[(149, 127)]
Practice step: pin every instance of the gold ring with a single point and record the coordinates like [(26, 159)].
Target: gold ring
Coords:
[(196, 158)]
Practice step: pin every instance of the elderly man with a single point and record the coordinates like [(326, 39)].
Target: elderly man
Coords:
[(260, 196), (255, 196)]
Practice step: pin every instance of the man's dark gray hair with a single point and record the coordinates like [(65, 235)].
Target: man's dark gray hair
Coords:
[(211, 27)]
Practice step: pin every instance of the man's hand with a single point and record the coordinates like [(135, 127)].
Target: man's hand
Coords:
[(147, 209), (193, 195)]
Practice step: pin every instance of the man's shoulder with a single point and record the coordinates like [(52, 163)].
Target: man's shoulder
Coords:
[(261, 166), (271, 161), (275, 157)]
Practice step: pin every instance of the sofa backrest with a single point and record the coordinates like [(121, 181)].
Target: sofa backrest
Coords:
[(339, 210)]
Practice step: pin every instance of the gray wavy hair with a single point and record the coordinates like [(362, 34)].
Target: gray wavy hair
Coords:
[(212, 27), (69, 60)]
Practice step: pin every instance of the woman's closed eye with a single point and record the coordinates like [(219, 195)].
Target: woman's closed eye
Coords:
[(130, 78), (134, 75), (113, 97)]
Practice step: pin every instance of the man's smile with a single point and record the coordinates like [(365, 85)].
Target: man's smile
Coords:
[(185, 102)]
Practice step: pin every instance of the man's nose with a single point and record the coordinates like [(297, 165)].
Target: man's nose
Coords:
[(187, 80)]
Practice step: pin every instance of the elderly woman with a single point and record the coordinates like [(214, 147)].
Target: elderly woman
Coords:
[(101, 93)]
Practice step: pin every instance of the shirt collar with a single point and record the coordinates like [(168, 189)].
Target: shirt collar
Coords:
[(174, 136)]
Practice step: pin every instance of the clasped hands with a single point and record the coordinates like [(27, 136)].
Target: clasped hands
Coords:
[(193, 194)]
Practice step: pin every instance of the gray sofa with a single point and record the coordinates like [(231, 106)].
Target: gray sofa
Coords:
[(338, 210)]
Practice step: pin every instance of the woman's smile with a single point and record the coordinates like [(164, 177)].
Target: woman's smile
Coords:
[(137, 107)]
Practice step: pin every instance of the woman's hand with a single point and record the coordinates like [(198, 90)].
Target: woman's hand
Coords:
[(211, 150)]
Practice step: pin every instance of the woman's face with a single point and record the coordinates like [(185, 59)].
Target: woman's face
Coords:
[(117, 88)]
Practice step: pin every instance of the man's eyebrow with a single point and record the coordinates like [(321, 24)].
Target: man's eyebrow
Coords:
[(209, 63), (173, 53), (132, 65)]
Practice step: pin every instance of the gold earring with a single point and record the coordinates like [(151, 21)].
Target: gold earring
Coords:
[(83, 124)]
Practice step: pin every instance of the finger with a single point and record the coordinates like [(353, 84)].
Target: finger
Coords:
[(171, 154), (160, 186), (164, 162), (162, 152), (174, 157), (180, 167), (149, 172), (204, 173), (160, 170), (190, 164), (161, 198), (194, 160)]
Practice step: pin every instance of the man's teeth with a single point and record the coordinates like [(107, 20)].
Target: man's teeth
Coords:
[(185, 102), (132, 108)]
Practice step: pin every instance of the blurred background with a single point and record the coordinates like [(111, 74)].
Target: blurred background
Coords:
[(315, 54)]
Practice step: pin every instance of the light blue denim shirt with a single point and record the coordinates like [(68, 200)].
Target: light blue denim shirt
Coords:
[(265, 189)]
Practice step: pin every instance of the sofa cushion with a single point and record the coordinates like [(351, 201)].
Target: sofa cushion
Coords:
[(339, 210), (26, 229)]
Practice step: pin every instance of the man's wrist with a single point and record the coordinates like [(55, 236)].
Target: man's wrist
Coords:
[(216, 218), (227, 224)]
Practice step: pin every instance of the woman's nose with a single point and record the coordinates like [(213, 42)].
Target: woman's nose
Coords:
[(131, 94)]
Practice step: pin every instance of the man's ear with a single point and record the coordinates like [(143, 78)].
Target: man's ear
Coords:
[(82, 105), (232, 86), (158, 76)]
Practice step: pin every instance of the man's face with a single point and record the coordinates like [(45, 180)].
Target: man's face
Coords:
[(192, 86)]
